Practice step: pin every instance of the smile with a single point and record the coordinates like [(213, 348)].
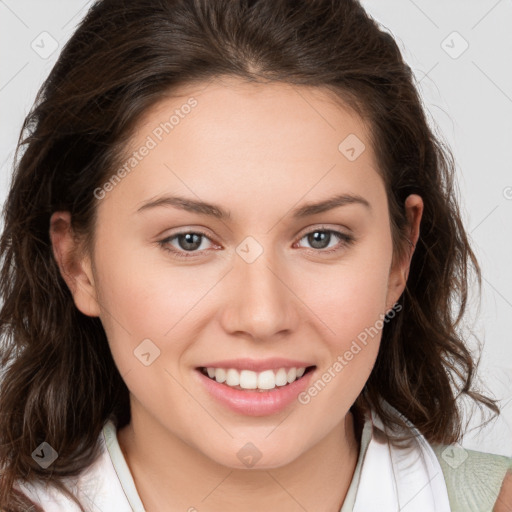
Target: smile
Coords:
[(267, 391), (251, 380)]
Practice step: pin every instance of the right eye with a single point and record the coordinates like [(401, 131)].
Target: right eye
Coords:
[(187, 241)]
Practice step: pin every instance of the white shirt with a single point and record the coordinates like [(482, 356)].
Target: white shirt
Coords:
[(385, 479), (105, 486)]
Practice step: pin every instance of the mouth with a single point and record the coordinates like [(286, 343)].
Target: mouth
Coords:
[(249, 380)]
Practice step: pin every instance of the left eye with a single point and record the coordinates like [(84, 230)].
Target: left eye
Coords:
[(191, 242), (320, 238)]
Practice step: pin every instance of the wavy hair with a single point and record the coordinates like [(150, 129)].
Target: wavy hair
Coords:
[(59, 381)]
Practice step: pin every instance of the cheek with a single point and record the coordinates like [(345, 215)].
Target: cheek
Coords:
[(351, 303), (142, 299), (146, 296), (352, 310), (351, 296)]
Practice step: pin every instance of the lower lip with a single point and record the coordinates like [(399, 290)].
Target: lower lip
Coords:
[(256, 403)]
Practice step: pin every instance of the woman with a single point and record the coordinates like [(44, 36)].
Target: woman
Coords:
[(231, 256)]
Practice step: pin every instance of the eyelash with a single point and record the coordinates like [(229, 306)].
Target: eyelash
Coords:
[(346, 240)]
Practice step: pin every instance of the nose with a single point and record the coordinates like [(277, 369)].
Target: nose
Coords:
[(261, 302)]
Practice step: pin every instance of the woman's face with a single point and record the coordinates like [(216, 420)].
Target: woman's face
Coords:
[(259, 283)]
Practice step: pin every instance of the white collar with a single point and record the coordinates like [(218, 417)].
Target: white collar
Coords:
[(397, 479), (392, 479)]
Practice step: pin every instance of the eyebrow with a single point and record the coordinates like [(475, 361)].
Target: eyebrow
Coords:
[(213, 210)]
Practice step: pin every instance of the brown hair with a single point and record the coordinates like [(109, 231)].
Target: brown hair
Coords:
[(60, 383)]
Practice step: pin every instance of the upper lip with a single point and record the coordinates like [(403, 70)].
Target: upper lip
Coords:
[(257, 365)]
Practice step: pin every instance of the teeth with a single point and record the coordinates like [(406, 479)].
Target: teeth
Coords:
[(219, 374), (281, 377), (232, 377), (266, 380), (247, 379)]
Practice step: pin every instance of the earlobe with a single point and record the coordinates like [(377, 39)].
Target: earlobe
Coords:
[(75, 268)]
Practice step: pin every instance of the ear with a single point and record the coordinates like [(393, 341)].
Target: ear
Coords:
[(75, 268), (400, 269)]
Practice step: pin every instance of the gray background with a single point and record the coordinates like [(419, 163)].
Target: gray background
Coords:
[(458, 51)]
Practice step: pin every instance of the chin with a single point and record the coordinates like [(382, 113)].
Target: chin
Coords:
[(253, 456)]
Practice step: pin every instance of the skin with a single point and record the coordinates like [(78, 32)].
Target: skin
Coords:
[(259, 151), (504, 501)]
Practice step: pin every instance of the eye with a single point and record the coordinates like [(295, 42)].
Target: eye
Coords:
[(321, 238), (187, 242)]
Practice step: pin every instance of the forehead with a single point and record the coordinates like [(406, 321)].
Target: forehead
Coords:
[(230, 108), (241, 141)]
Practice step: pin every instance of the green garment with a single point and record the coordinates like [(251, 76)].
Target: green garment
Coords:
[(473, 478)]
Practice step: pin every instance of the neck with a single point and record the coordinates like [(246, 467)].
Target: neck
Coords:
[(172, 475)]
